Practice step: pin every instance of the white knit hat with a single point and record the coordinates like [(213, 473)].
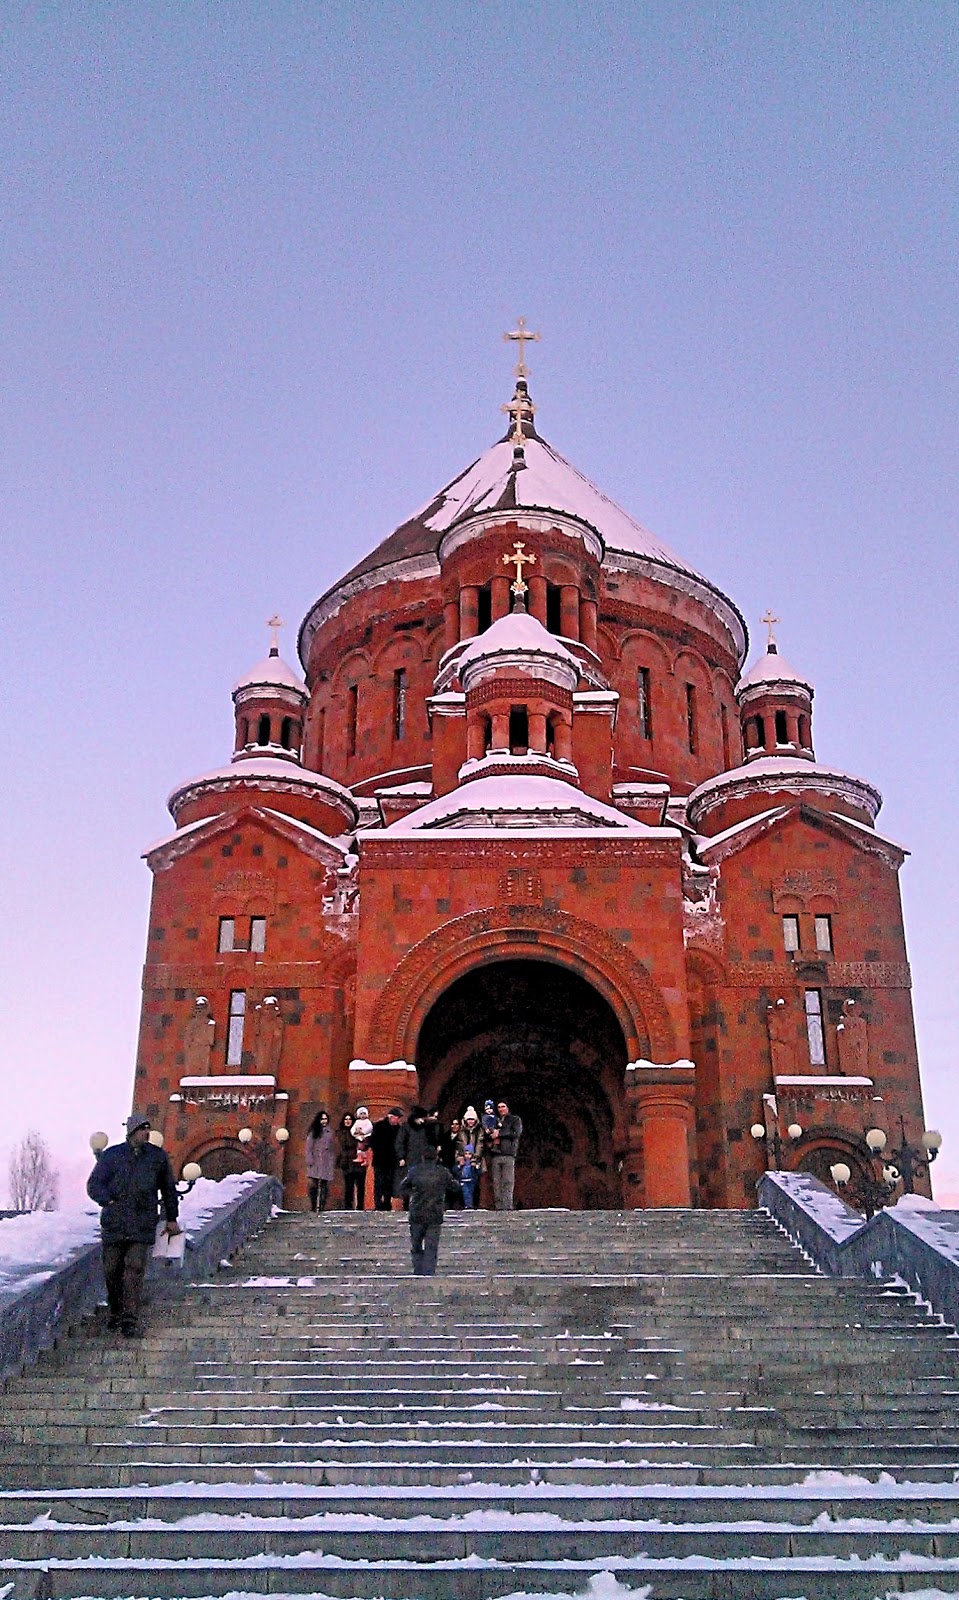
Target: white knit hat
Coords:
[(470, 1112)]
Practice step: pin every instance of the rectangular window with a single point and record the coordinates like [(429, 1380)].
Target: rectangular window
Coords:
[(399, 702), (824, 933), (814, 1032), (258, 934), (234, 1030), (644, 704), (227, 937), (320, 739), (790, 933), (691, 716), (352, 699), (724, 728)]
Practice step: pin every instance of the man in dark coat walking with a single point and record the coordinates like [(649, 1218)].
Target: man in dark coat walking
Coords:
[(383, 1146), (129, 1181), (427, 1185)]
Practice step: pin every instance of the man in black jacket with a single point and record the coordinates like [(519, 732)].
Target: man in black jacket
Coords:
[(427, 1185), (505, 1145), (128, 1181), (383, 1146)]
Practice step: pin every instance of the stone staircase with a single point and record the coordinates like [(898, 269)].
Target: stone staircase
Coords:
[(651, 1403)]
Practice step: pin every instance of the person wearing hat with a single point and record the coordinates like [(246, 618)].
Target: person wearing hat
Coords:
[(383, 1146), (469, 1156), (131, 1182)]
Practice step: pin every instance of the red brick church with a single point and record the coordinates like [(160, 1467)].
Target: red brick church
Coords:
[(528, 827)]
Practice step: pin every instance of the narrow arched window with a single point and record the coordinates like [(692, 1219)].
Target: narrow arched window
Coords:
[(782, 729), (487, 734), (518, 731), (804, 733), (484, 609), (554, 608), (286, 732), (263, 730)]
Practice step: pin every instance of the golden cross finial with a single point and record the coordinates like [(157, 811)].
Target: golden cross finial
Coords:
[(276, 623), (521, 337), (519, 559), (520, 410), (770, 622)]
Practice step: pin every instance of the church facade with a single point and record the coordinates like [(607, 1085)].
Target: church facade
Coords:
[(528, 827)]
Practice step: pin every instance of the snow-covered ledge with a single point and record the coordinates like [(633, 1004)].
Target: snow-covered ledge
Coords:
[(914, 1241), (50, 1272)]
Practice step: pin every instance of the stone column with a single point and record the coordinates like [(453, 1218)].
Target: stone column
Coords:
[(451, 624), (569, 611), (563, 732), (474, 738), (537, 597), (587, 623), (537, 732), (499, 597), (663, 1109), (500, 730), (469, 612)]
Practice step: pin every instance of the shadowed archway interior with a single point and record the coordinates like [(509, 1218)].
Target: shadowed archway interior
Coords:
[(541, 1037)]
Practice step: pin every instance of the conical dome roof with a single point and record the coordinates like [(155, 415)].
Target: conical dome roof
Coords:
[(271, 672), (771, 668), (540, 480)]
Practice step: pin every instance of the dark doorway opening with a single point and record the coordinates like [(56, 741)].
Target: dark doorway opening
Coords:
[(541, 1037), (223, 1161)]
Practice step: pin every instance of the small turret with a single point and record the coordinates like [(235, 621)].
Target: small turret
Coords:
[(775, 706), (269, 701)]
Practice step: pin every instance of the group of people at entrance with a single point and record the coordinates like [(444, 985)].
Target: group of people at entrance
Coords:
[(472, 1150)]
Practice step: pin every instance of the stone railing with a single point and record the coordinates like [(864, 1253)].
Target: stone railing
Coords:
[(918, 1246), (43, 1304)]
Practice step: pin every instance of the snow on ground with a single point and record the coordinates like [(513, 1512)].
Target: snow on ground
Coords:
[(38, 1242)]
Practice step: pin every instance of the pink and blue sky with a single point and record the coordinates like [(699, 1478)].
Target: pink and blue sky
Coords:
[(256, 261)]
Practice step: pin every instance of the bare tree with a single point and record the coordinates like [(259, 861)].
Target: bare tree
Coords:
[(34, 1181)]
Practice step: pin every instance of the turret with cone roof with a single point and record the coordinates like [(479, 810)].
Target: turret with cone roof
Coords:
[(269, 701), (775, 705)]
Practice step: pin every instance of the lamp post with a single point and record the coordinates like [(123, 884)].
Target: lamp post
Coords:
[(98, 1143), (261, 1142), (188, 1177), (775, 1144), (907, 1161), (889, 1168)]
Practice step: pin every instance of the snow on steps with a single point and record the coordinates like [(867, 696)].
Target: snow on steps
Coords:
[(658, 1404)]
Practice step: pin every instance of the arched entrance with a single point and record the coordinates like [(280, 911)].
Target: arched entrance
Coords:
[(223, 1160), (541, 1037)]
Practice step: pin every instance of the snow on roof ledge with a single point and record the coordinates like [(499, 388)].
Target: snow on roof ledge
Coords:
[(539, 801)]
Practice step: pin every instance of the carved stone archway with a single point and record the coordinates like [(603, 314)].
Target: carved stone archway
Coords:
[(520, 932)]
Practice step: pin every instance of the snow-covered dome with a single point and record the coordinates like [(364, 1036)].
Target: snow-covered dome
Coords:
[(271, 673), (769, 669), (507, 802), (521, 643), (266, 770)]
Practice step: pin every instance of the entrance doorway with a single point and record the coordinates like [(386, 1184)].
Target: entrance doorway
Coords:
[(540, 1037)]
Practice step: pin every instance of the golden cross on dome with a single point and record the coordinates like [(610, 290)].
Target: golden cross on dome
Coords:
[(521, 337), (519, 559), (276, 623), (770, 622), (520, 409)]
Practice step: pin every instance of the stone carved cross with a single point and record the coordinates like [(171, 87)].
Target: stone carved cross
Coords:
[(519, 559), (521, 337)]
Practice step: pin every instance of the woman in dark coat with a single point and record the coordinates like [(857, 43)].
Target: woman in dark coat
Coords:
[(346, 1156), (320, 1160)]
